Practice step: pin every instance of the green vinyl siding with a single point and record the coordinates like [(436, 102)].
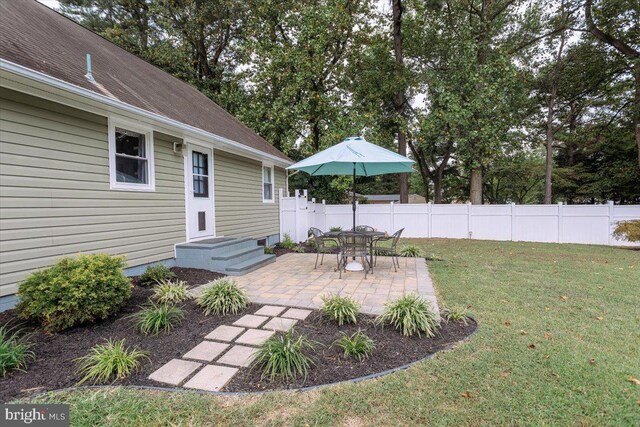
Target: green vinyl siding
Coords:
[(240, 211), (55, 198)]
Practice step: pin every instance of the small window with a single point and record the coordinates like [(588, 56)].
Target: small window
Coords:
[(200, 174), (131, 159), (267, 183)]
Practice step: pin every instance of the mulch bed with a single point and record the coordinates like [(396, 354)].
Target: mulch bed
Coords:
[(279, 250), (392, 350), (193, 276)]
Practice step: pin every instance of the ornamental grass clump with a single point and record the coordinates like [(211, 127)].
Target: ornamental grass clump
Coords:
[(109, 362), (156, 318), (411, 251), (284, 357), (411, 315), (340, 309), (155, 274), (358, 345), (287, 242), (168, 292), (14, 351), (223, 296), (455, 314)]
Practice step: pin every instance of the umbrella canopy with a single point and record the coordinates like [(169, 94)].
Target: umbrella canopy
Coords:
[(354, 156), (368, 160)]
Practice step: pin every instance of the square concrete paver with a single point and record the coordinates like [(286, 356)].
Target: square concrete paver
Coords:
[(297, 313), (238, 355), (250, 321), (211, 378), (280, 324), (254, 336), (174, 371), (270, 310), (224, 333), (206, 351)]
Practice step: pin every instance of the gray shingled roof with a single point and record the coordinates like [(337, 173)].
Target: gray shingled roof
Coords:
[(36, 37)]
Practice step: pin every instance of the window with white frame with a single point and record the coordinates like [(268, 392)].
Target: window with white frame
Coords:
[(131, 158), (267, 183)]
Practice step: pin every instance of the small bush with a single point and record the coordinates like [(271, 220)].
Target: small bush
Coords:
[(298, 249), (455, 314), (287, 242), (284, 356), (109, 361), (171, 292), (155, 274), (14, 351), (74, 291), (411, 315), (223, 296), (628, 230), (411, 251), (340, 309), (335, 228), (358, 345), (269, 250), (158, 318)]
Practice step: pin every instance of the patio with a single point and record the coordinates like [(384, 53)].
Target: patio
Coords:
[(292, 281)]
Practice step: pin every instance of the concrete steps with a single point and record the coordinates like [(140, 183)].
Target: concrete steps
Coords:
[(232, 256)]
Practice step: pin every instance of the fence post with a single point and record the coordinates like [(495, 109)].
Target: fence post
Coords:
[(392, 211), (560, 221), (513, 219), (469, 219), (324, 215), (429, 232), (611, 220)]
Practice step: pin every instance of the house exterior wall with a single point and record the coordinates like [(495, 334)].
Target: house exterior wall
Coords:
[(240, 210), (55, 198)]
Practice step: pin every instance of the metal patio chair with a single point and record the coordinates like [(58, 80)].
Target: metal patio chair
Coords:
[(388, 246), (364, 228), (320, 242), (353, 245)]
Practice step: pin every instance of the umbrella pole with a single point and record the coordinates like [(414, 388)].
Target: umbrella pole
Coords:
[(354, 197)]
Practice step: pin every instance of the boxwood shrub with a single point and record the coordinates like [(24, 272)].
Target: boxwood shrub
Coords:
[(74, 291)]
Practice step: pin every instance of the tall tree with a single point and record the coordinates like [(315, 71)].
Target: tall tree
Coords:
[(399, 99)]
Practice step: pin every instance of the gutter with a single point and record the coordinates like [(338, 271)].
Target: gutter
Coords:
[(77, 90)]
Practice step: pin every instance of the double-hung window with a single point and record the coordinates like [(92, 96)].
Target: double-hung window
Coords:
[(131, 158), (267, 183)]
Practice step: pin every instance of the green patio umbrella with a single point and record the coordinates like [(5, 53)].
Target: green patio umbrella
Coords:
[(357, 157)]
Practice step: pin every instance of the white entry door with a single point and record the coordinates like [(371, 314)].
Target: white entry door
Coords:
[(200, 212)]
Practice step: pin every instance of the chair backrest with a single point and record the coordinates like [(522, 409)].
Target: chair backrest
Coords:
[(396, 237), (316, 232), (364, 228), (353, 243)]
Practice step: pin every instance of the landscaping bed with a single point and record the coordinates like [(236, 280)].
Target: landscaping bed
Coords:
[(306, 248)]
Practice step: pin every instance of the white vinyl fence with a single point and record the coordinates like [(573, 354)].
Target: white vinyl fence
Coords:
[(591, 224)]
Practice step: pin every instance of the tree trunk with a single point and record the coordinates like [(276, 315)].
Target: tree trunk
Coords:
[(636, 104), (475, 186), (551, 104), (437, 187), (399, 99), (571, 149)]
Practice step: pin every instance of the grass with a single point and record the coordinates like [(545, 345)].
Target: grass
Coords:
[(357, 345), (168, 292), (411, 315), (548, 295), (156, 318), (284, 356), (223, 296), (340, 309), (109, 361), (14, 350)]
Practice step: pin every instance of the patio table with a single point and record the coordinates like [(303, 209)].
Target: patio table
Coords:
[(371, 235)]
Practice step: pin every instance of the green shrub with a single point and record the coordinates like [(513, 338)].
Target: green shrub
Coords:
[(298, 249), (14, 351), (154, 274), (628, 230), (287, 242), (411, 251), (74, 291), (109, 361), (455, 314), (269, 250), (156, 318), (411, 315), (335, 228), (284, 356), (168, 292), (358, 345), (223, 296), (340, 309)]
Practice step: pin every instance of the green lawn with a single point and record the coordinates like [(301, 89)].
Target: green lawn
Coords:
[(558, 342)]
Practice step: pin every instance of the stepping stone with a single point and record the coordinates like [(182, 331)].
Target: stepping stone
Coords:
[(297, 313), (211, 378), (280, 324), (270, 310), (206, 351), (239, 355), (250, 321), (254, 337), (174, 371), (224, 333)]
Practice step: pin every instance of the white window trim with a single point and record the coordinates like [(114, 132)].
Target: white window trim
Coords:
[(273, 182), (150, 186)]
